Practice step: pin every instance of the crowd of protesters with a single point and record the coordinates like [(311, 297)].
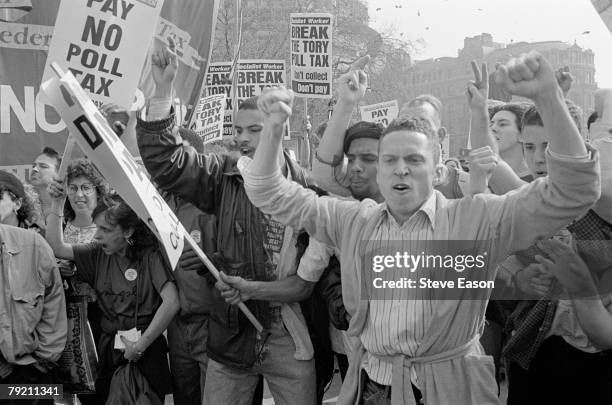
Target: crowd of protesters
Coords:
[(289, 241)]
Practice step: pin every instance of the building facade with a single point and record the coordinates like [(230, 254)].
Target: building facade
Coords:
[(446, 78)]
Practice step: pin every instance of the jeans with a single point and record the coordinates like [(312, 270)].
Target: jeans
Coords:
[(188, 360), (291, 381)]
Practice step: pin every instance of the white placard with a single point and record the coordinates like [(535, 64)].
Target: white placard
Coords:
[(383, 113), (208, 118), (252, 77), (104, 44), (116, 164), (311, 54)]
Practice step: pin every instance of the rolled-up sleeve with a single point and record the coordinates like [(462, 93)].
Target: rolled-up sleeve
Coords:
[(541, 208), (314, 261), (293, 205), (331, 178)]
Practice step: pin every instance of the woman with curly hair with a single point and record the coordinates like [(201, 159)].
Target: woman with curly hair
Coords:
[(134, 285), (86, 188), (16, 205)]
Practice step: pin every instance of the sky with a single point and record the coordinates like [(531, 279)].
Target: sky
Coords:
[(443, 24)]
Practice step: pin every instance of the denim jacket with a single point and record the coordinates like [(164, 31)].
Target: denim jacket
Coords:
[(33, 322)]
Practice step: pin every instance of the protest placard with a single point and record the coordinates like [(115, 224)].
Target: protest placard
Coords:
[(208, 118), (104, 44), (116, 164), (25, 35), (384, 112), (311, 54), (252, 77)]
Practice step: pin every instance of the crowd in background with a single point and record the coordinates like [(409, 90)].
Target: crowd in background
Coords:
[(91, 302)]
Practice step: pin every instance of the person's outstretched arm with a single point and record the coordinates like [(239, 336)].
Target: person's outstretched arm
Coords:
[(287, 201), (329, 168), (543, 207), (175, 168)]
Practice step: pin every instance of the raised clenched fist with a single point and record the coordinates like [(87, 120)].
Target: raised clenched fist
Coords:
[(276, 104), (164, 65), (530, 75)]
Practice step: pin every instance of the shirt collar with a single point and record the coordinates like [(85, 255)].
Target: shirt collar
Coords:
[(8, 240), (428, 208)]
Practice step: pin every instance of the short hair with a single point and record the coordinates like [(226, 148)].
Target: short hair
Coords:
[(426, 98), (52, 153), (532, 116), (413, 125), (362, 129), (84, 168), (517, 109), (592, 118), (249, 104)]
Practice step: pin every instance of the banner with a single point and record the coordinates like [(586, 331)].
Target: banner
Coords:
[(604, 9), (383, 113), (27, 125), (111, 157), (311, 54), (253, 75), (12, 10), (103, 43), (208, 118)]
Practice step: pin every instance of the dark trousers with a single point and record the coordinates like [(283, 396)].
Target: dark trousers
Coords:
[(27, 375), (373, 393), (561, 374), (188, 359), (342, 360)]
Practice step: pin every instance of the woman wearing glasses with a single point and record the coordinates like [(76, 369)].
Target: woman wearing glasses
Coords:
[(134, 286), (85, 188)]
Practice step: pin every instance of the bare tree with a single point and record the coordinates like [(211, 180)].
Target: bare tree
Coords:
[(266, 35)]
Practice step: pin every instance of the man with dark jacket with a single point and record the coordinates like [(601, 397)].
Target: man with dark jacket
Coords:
[(249, 245), (188, 332)]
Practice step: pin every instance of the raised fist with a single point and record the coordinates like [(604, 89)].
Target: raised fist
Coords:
[(530, 75), (482, 162), (352, 86), (164, 64), (276, 104)]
